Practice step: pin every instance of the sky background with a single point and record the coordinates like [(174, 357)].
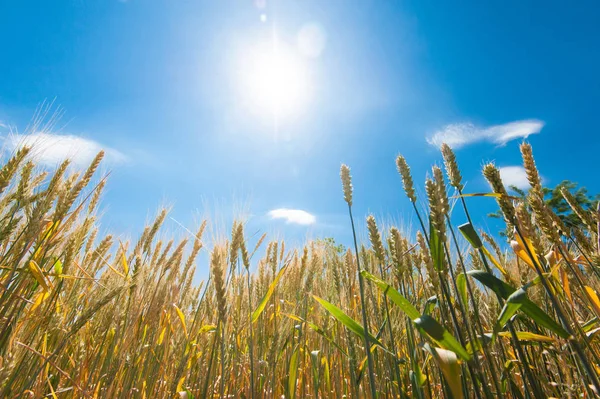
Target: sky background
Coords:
[(163, 86)]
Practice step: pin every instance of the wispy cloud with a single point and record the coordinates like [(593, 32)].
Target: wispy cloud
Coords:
[(296, 216), (514, 176), (460, 134), (50, 149)]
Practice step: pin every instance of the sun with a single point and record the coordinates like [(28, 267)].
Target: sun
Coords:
[(275, 81)]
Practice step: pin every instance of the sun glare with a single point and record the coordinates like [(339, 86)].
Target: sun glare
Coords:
[(275, 82)]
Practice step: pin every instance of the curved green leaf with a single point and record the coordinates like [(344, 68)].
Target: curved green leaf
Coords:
[(461, 284), (436, 247), (394, 295), (468, 231), (268, 295), (318, 330), (346, 320), (430, 305), (529, 308), (425, 322), (512, 304), (314, 357), (440, 335), (293, 374)]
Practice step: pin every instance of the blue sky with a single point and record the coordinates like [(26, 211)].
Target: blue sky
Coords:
[(164, 86)]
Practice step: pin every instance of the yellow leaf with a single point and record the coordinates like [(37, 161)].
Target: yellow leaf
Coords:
[(594, 298), (448, 363), (525, 242), (111, 334), (528, 336), (41, 297), (521, 253), (207, 328), (494, 261), (51, 389), (145, 332), (124, 263), (180, 384), (115, 270), (181, 318), (565, 284), (527, 247), (581, 260), (44, 344), (98, 387), (38, 274), (44, 350), (162, 335), (38, 252), (53, 229), (494, 195), (48, 230)]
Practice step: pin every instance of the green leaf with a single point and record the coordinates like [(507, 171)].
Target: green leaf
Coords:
[(293, 373), (529, 308), (512, 304), (475, 345), (318, 330), (428, 324), (416, 376), (58, 267), (440, 335), (528, 336), (589, 325), (448, 363), (326, 374), (346, 320), (592, 333), (468, 231), (361, 367), (461, 284), (394, 295), (506, 379), (430, 305), (314, 357), (267, 296), (436, 247)]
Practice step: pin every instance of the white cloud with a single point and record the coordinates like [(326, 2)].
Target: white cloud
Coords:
[(51, 149), (514, 176), (458, 135), (297, 216)]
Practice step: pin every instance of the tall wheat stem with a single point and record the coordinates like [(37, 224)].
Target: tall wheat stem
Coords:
[(364, 311), (251, 338)]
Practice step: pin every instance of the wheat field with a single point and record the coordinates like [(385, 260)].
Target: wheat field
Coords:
[(448, 312)]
